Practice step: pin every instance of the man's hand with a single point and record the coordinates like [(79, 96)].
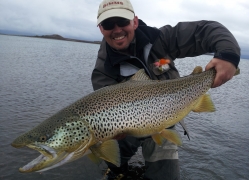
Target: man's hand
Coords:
[(225, 71)]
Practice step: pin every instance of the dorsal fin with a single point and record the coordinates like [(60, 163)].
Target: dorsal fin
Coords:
[(197, 70), (140, 76)]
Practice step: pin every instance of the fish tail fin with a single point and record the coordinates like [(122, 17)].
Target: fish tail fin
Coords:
[(204, 104), (169, 134), (108, 150)]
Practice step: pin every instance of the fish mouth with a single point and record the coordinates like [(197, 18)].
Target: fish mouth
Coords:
[(48, 159)]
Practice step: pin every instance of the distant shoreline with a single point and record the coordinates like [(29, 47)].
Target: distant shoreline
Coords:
[(55, 37), (59, 37)]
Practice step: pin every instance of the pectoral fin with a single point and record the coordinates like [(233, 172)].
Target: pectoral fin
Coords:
[(204, 104), (169, 134), (108, 150), (94, 158)]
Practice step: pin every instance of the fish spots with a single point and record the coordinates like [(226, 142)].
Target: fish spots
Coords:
[(68, 135)]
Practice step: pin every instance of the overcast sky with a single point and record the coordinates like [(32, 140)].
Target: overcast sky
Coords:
[(77, 18)]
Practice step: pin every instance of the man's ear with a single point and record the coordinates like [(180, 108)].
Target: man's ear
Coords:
[(136, 22), (100, 28)]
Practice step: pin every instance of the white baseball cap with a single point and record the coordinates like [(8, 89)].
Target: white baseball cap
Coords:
[(115, 8)]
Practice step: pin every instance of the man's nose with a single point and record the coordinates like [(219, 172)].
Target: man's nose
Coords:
[(117, 28)]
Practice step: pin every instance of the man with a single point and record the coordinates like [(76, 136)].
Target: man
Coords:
[(129, 45)]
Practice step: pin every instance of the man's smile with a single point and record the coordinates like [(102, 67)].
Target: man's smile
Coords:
[(119, 38)]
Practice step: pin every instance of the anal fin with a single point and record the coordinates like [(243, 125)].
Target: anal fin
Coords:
[(204, 104)]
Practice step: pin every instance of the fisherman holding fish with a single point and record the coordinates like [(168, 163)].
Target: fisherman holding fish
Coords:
[(129, 45), (129, 103)]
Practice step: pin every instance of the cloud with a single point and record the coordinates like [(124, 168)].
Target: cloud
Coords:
[(68, 18), (77, 18), (232, 14)]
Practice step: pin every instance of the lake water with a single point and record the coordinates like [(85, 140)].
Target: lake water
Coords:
[(38, 77)]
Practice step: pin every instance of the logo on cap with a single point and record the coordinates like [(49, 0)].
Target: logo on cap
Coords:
[(111, 3)]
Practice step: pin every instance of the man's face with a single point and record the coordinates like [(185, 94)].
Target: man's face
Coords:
[(118, 37)]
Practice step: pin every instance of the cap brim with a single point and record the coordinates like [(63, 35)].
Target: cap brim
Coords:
[(124, 13)]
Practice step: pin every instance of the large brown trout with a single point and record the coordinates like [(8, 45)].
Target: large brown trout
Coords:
[(139, 107)]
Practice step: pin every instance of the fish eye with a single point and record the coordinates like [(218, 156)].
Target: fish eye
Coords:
[(43, 138)]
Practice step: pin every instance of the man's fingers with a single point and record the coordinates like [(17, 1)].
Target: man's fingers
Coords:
[(218, 81), (209, 66)]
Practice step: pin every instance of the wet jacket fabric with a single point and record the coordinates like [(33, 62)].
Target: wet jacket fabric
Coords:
[(186, 39)]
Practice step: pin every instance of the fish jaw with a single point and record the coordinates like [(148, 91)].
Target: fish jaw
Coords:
[(54, 155), (50, 159), (58, 139), (47, 158)]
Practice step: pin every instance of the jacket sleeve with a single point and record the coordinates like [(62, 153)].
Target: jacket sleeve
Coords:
[(100, 78), (188, 39)]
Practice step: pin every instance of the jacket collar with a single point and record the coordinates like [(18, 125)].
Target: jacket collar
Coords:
[(143, 34)]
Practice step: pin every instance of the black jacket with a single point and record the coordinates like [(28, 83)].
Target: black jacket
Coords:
[(186, 39)]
